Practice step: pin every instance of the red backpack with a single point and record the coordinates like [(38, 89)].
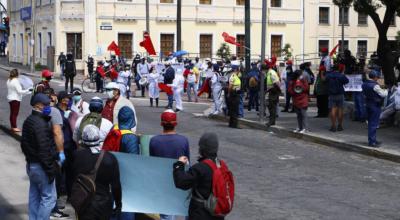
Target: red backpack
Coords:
[(113, 139), (220, 201)]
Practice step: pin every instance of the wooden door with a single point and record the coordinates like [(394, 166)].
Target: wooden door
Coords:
[(125, 45), (167, 43), (276, 45), (205, 46)]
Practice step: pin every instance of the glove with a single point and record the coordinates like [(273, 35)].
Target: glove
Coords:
[(61, 157)]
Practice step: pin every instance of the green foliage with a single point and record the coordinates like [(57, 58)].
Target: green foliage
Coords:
[(224, 51), (39, 67), (287, 52)]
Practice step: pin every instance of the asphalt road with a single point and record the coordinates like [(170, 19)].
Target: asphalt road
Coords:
[(276, 178)]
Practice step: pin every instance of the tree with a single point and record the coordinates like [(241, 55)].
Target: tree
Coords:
[(370, 7), (224, 51), (287, 52)]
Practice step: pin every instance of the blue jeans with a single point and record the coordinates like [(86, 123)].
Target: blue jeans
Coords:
[(42, 194), (62, 67), (241, 106), (359, 105), (170, 100), (374, 112), (189, 89), (253, 100)]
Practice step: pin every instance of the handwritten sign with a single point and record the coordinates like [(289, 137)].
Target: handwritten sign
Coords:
[(355, 83)]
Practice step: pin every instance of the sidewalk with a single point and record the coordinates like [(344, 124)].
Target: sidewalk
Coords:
[(353, 138)]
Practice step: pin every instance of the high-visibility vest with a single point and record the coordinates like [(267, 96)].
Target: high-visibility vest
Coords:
[(236, 82), (268, 79)]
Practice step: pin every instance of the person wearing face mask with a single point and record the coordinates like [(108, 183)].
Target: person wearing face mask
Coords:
[(44, 83), (78, 105), (37, 144), (114, 103)]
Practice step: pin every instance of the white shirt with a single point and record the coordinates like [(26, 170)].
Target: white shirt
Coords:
[(105, 128), (209, 73), (15, 91), (143, 69), (76, 107), (381, 92)]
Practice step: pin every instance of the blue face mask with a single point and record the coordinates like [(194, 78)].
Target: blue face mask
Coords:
[(46, 110), (69, 104)]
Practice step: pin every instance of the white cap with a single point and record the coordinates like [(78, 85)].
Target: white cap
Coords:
[(112, 85)]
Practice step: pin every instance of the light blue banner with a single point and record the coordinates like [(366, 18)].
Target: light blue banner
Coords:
[(148, 186)]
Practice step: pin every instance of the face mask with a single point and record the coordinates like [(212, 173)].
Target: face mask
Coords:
[(66, 114), (69, 104), (77, 98), (46, 110), (110, 94)]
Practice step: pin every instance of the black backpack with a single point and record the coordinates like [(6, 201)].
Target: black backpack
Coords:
[(84, 188)]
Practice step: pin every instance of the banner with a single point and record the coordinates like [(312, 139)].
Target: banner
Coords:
[(148, 186), (355, 83)]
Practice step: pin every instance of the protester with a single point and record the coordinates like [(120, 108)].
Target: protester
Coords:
[(360, 113), (100, 74), (234, 98), (254, 87), (200, 178), (321, 91), (273, 88), (37, 144), (374, 96), (44, 83), (336, 80), (114, 103), (287, 76), (169, 77), (217, 90), (61, 61), (121, 138), (90, 66), (178, 87), (326, 59), (123, 79), (70, 72), (108, 185), (134, 66), (78, 104), (143, 71), (299, 89), (206, 84), (154, 91), (14, 97), (192, 80)]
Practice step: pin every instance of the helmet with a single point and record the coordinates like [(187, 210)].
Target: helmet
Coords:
[(112, 85), (46, 73), (168, 117)]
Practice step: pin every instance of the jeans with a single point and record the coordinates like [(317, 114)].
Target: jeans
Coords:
[(42, 194), (301, 117), (273, 100), (170, 100), (99, 84), (359, 105), (70, 80), (62, 67), (234, 101), (288, 97), (373, 111), (14, 110), (253, 100), (241, 106), (189, 89)]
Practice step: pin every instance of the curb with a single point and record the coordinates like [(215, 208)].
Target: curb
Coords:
[(7, 130), (315, 138)]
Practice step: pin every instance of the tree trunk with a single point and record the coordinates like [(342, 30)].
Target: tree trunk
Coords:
[(386, 59)]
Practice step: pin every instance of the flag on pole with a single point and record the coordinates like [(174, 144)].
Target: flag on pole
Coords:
[(229, 39), (333, 52), (114, 47), (147, 44)]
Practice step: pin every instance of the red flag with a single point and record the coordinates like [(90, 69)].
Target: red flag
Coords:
[(334, 50), (114, 47), (148, 44), (164, 88), (230, 39)]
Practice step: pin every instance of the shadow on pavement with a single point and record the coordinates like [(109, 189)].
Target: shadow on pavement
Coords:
[(9, 212)]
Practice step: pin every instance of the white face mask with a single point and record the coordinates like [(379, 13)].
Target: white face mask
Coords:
[(110, 94)]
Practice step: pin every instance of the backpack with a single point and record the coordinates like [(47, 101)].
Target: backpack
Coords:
[(70, 67), (90, 119), (253, 82), (84, 188), (220, 201), (113, 139)]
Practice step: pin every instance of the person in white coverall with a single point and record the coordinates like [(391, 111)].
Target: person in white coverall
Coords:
[(216, 88), (154, 91), (123, 79), (178, 86)]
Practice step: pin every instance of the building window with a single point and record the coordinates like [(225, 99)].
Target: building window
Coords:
[(49, 39), (125, 43), (276, 3), (393, 21), (323, 44), (346, 16), (240, 51), (74, 45), (276, 45), (22, 44), (166, 1), (362, 48), (40, 44), (362, 19), (346, 45), (167, 43), (205, 2), (206, 45), (323, 15), (15, 44), (240, 2)]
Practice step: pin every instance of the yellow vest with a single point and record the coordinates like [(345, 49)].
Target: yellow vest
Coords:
[(235, 81), (269, 80)]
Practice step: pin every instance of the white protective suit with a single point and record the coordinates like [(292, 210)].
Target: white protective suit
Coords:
[(122, 80), (178, 86), (154, 91), (216, 88)]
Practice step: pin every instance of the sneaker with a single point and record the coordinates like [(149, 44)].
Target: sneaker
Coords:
[(333, 129), (58, 215), (340, 128), (297, 130), (302, 131)]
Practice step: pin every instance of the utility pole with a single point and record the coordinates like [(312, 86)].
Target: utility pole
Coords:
[(247, 34), (342, 43), (179, 25), (33, 35), (263, 42), (147, 16)]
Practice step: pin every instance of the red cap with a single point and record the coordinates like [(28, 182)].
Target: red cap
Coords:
[(46, 73), (324, 50), (168, 117), (322, 68), (289, 62)]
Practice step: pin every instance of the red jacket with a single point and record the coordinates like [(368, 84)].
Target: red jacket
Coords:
[(300, 100)]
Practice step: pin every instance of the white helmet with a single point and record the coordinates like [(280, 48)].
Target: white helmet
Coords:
[(112, 85)]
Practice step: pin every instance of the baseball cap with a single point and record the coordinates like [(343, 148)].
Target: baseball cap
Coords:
[(40, 98), (169, 117)]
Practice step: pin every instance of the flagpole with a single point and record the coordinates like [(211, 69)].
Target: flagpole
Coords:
[(263, 42)]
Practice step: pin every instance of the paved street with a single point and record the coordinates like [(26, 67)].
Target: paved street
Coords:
[(276, 178)]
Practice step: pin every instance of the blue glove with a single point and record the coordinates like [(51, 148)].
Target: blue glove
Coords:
[(61, 157)]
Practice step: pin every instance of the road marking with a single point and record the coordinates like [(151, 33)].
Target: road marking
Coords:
[(287, 157)]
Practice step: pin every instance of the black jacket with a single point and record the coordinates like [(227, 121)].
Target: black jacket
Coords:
[(38, 143), (107, 178), (198, 178)]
